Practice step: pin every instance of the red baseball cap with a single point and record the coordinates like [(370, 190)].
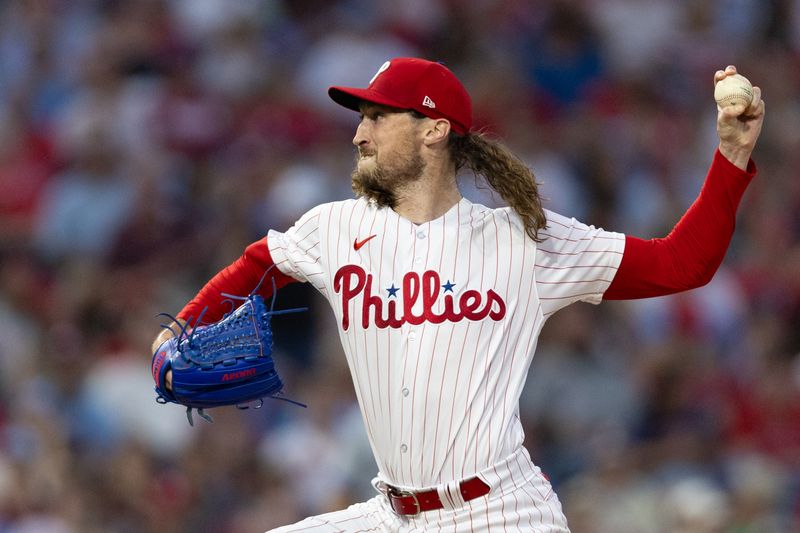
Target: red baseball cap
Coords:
[(411, 83)]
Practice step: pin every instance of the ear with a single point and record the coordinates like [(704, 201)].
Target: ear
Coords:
[(436, 131)]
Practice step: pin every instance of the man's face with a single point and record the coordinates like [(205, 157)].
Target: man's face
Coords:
[(389, 142)]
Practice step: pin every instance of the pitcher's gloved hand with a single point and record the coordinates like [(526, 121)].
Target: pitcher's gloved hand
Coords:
[(226, 363)]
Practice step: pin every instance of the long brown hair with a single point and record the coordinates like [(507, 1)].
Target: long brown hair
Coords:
[(505, 173)]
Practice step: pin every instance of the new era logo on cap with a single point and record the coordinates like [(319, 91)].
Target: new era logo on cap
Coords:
[(411, 83)]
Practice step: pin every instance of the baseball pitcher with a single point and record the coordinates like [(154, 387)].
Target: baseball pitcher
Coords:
[(440, 301)]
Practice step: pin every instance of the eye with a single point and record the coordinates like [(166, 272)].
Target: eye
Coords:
[(372, 115)]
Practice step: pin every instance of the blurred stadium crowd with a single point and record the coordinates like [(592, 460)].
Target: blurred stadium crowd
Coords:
[(145, 143)]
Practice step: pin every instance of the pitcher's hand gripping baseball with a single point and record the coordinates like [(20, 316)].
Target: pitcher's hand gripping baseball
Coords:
[(740, 115), (225, 363)]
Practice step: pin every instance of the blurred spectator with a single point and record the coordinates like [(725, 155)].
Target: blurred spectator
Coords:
[(564, 58), (27, 163), (86, 205)]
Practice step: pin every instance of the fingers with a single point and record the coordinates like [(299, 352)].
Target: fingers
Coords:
[(719, 75), (756, 107), (732, 112), (754, 111)]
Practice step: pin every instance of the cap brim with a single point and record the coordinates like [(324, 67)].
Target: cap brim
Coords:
[(351, 98)]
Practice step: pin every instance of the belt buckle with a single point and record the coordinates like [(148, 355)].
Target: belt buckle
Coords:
[(394, 491)]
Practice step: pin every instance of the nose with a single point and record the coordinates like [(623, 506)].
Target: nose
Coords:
[(360, 137)]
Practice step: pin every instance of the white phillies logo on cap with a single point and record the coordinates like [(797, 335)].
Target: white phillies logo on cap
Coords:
[(383, 68)]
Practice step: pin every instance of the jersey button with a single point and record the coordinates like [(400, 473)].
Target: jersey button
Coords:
[(405, 392), (420, 234), (412, 335), (417, 260), (404, 448)]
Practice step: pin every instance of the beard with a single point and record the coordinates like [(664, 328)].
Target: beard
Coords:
[(381, 183)]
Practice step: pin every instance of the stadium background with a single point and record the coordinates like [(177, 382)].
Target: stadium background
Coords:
[(144, 143)]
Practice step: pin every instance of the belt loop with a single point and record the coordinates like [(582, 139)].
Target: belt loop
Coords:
[(450, 494)]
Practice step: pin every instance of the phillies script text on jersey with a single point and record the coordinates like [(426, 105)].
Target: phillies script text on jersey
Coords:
[(352, 280)]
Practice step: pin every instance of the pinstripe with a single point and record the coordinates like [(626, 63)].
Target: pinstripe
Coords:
[(311, 247), (345, 230), (310, 222), (539, 523), (527, 302), (368, 382), (441, 477), (391, 469), (545, 236), (407, 351), (450, 448), (544, 500), (516, 509), (415, 415), (490, 420), (581, 252), (434, 351), (474, 359), (540, 266), (516, 486), (442, 386), (486, 359), (355, 368), (470, 515), (329, 248), (528, 508), (414, 402), (382, 362), (567, 297), (427, 398), (306, 262), (598, 280)]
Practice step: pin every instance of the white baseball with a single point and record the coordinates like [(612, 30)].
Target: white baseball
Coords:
[(733, 90)]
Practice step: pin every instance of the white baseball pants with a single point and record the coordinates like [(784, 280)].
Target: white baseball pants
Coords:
[(521, 500)]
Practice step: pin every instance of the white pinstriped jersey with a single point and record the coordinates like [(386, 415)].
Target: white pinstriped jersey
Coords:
[(439, 321)]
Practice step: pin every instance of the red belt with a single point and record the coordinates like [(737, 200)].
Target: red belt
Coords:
[(412, 503)]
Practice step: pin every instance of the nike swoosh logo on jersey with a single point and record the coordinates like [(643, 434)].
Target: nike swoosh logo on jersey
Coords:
[(358, 244)]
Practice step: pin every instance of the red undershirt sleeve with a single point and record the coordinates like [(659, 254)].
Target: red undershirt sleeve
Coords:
[(239, 278), (689, 256)]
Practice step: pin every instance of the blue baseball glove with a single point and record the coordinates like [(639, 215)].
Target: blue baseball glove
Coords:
[(225, 363)]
